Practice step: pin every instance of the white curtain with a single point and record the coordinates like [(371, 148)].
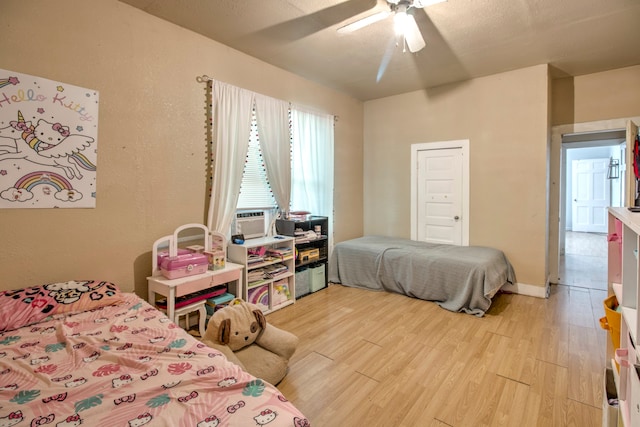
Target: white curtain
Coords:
[(231, 116), (272, 116), (312, 174)]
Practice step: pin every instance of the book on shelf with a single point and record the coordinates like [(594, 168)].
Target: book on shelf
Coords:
[(257, 274), (275, 270), (256, 283), (280, 252), (254, 259)]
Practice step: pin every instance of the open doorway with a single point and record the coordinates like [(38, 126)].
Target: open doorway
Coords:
[(592, 174)]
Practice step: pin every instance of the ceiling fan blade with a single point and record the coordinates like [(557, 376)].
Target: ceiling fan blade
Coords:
[(412, 35), (361, 23), (424, 3), (386, 59)]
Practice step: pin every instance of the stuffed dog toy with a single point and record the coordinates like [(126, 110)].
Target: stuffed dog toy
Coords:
[(241, 332)]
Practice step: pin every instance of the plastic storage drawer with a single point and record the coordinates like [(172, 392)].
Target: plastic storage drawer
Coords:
[(317, 280), (303, 282)]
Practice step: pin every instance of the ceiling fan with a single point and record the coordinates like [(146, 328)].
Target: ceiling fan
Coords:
[(404, 23)]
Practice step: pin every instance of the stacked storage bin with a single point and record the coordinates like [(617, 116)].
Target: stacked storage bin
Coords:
[(303, 282)]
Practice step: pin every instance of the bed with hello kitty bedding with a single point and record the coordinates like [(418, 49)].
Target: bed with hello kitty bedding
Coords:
[(84, 353)]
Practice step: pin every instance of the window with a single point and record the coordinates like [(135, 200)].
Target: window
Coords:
[(255, 191), (311, 142), (312, 171)]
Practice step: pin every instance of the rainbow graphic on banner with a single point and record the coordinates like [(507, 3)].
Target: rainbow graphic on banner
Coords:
[(33, 179), (259, 296)]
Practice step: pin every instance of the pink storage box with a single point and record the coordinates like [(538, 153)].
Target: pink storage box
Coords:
[(184, 265), (165, 254)]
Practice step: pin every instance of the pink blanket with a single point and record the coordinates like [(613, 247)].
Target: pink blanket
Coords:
[(127, 365)]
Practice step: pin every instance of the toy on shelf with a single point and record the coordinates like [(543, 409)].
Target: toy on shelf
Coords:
[(217, 254)]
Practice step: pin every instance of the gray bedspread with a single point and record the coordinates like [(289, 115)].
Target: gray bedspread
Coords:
[(458, 278)]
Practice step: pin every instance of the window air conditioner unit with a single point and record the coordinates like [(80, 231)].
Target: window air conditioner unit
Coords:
[(250, 224)]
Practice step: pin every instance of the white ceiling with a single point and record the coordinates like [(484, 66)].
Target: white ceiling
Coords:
[(465, 38)]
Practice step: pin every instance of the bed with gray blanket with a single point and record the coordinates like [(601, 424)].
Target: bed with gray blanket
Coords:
[(458, 278)]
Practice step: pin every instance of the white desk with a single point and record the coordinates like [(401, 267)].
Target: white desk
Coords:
[(173, 288)]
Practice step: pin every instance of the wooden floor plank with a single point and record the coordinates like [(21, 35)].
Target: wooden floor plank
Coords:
[(587, 356), (380, 359), (548, 397)]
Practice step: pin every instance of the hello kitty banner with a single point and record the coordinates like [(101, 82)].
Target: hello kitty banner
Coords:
[(48, 143)]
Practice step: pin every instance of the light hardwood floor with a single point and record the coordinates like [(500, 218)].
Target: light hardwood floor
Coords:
[(584, 263), (379, 359)]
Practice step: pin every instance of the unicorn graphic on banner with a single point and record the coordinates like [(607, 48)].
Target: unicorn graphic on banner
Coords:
[(47, 144)]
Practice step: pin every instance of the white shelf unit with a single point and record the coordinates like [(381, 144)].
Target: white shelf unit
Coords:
[(267, 291), (624, 282)]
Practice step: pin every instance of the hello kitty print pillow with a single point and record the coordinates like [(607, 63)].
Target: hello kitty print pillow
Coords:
[(22, 307)]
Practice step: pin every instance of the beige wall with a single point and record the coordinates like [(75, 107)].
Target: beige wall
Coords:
[(506, 120), (600, 96), (152, 167)]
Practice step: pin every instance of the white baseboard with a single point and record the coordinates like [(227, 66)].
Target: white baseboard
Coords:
[(529, 290)]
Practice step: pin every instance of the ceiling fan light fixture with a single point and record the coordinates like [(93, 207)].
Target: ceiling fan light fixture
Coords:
[(405, 26), (412, 35), (400, 20)]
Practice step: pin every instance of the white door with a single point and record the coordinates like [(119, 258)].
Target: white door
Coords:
[(590, 195), (440, 196)]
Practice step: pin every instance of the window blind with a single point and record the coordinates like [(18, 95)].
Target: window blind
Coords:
[(255, 191)]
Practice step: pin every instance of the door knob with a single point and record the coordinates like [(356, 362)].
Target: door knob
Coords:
[(456, 217)]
